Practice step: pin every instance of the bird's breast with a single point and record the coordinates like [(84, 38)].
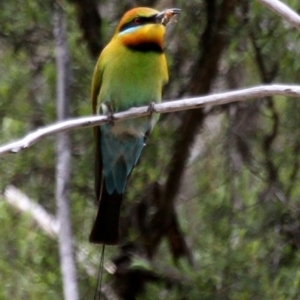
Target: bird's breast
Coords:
[(131, 78)]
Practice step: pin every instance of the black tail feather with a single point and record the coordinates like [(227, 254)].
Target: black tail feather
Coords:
[(106, 226)]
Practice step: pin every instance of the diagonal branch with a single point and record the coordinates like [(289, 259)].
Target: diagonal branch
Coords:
[(283, 10), (166, 107), (48, 223)]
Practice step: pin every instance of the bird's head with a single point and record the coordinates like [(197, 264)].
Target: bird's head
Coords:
[(143, 28)]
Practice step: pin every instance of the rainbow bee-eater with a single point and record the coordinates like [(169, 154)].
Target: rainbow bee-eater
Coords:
[(131, 71)]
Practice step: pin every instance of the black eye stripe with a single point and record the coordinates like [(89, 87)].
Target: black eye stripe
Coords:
[(138, 21)]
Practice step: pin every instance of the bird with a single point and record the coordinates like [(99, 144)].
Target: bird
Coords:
[(131, 71)]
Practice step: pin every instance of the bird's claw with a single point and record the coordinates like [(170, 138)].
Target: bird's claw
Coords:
[(111, 118), (151, 108)]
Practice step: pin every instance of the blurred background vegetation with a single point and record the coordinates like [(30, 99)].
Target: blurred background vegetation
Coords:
[(212, 211)]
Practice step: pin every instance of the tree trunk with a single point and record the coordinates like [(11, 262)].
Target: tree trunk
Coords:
[(63, 162)]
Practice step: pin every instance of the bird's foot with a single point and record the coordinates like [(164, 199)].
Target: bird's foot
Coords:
[(111, 118), (151, 108)]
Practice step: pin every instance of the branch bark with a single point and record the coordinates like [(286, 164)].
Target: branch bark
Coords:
[(283, 10), (165, 107)]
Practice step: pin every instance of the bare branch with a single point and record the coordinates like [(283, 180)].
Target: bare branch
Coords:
[(166, 107), (47, 223), (284, 11), (50, 226), (21, 202)]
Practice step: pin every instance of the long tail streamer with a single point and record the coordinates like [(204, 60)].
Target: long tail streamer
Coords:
[(100, 275)]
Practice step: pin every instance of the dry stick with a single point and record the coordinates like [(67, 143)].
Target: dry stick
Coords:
[(166, 107), (283, 10)]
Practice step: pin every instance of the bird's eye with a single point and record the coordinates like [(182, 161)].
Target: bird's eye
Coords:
[(137, 21)]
